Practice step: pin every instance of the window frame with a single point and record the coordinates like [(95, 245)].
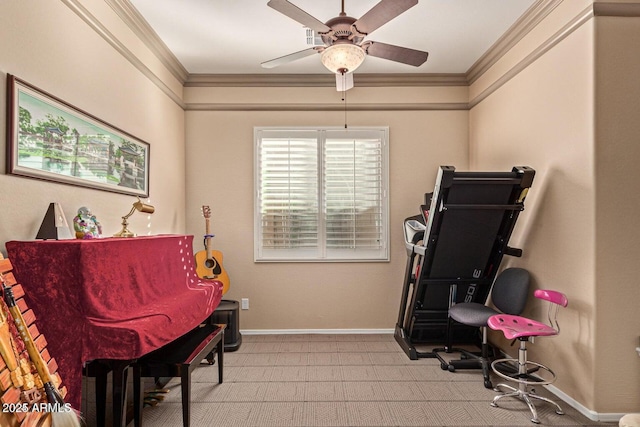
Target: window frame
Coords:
[(319, 254)]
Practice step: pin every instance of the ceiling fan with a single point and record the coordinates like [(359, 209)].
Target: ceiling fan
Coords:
[(344, 47)]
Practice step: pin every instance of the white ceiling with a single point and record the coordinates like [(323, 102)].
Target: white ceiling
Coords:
[(235, 36)]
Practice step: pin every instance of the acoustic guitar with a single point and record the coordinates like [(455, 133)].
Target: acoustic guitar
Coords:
[(208, 261)]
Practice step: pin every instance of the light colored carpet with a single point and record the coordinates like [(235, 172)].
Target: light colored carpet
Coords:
[(341, 380)]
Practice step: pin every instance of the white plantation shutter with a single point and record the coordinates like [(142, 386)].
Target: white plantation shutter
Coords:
[(289, 193), (353, 193), (321, 194)]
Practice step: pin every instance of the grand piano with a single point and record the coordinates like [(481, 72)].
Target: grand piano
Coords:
[(112, 299)]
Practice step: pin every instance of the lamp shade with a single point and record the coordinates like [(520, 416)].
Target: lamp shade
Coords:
[(339, 58)]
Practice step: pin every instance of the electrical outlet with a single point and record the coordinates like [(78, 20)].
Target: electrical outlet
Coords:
[(245, 303)]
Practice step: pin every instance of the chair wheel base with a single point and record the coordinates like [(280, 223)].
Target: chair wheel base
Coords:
[(526, 397)]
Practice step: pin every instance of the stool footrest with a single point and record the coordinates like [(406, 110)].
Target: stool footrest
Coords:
[(522, 376)]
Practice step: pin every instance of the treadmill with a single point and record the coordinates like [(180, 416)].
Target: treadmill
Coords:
[(454, 250)]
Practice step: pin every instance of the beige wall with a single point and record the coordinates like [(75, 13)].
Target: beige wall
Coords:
[(51, 46), (566, 107), (543, 117), (220, 174), (617, 234)]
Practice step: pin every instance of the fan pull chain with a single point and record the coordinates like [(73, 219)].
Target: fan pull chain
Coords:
[(344, 97)]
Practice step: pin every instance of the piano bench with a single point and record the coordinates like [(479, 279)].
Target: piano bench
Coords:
[(178, 359)]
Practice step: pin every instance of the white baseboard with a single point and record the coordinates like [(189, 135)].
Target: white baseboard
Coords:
[(592, 415), (314, 331)]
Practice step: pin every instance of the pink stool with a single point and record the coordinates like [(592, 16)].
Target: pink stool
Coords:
[(525, 330)]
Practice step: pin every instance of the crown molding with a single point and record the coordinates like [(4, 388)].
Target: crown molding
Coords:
[(83, 13), (134, 20), (259, 80), (532, 17), (579, 20), (320, 80), (327, 107), (629, 9)]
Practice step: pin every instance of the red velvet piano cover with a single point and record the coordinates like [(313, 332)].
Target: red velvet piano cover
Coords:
[(112, 298)]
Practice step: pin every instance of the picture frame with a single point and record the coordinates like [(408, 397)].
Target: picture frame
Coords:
[(50, 139)]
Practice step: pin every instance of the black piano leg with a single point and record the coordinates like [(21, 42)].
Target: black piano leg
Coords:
[(101, 393), (186, 395), (120, 368), (99, 370), (220, 350), (138, 398)]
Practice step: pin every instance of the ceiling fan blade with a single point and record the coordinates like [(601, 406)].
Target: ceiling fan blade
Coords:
[(344, 81), (294, 12), (396, 53), (288, 58), (382, 13)]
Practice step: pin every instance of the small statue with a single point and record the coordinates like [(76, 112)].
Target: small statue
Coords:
[(86, 224)]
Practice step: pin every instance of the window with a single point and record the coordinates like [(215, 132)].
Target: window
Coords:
[(321, 194)]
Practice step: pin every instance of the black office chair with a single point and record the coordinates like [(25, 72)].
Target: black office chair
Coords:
[(509, 295)]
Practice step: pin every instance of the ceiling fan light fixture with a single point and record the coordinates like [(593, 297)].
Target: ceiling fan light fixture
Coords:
[(339, 57)]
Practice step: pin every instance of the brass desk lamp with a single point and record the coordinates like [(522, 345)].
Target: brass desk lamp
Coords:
[(137, 206)]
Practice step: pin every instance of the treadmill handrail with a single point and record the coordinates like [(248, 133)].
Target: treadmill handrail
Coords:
[(484, 180), (481, 206)]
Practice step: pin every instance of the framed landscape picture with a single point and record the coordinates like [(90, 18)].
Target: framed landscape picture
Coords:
[(50, 139)]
